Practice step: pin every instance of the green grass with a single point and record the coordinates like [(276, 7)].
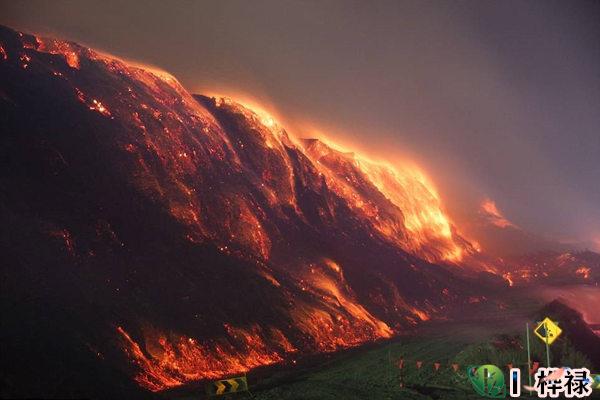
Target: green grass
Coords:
[(374, 374)]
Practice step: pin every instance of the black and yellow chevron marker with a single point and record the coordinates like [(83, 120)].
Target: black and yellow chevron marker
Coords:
[(224, 386)]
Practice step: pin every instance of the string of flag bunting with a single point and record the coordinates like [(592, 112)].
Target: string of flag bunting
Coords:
[(436, 365)]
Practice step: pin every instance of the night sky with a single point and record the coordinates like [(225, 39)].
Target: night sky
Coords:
[(496, 100)]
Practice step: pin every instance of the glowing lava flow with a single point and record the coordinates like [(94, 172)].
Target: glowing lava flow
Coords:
[(168, 360), (64, 48), (52, 46), (344, 322), (171, 360)]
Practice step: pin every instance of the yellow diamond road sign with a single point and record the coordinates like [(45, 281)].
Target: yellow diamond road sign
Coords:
[(547, 330)]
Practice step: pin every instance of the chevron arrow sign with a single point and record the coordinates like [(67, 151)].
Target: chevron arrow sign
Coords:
[(224, 386)]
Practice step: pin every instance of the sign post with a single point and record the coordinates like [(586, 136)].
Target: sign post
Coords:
[(548, 331), (547, 346), (528, 355)]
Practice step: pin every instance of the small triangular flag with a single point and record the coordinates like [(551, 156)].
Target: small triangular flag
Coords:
[(534, 367)]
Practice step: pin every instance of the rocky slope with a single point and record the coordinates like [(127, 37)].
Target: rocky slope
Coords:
[(151, 234)]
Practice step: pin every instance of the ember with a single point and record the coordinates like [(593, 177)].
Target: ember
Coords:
[(65, 235), (584, 272), (25, 60), (98, 106)]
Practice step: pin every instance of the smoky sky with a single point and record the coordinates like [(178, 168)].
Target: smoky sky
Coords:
[(495, 100)]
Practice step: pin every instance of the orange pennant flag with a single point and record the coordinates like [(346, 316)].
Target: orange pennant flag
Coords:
[(455, 367), (419, 364), (534, 367), (436, 365)]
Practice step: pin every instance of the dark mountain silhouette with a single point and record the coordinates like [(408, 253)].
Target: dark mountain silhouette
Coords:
[(153, 235), (575, 330)]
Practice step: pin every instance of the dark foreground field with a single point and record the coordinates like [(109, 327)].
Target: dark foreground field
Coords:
[(484, 334)]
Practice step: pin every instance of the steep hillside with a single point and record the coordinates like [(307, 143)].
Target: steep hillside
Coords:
[(172, 238)]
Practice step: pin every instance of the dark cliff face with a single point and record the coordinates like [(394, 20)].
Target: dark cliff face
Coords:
[(576, 331), (153, 235)]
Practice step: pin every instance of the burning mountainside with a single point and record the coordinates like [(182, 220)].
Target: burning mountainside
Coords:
[(192, 234), (553, 268), (402, 204)]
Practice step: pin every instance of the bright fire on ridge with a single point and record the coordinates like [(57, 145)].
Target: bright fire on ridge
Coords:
[(429, 229), (430, 233), (405, 186)]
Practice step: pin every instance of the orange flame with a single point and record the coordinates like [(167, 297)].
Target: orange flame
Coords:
[(584, 271), (171, 360), (25, 59), (66, 49), (422, 228), (494, 216), (508, 278), (335, 291), (98, 106)]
